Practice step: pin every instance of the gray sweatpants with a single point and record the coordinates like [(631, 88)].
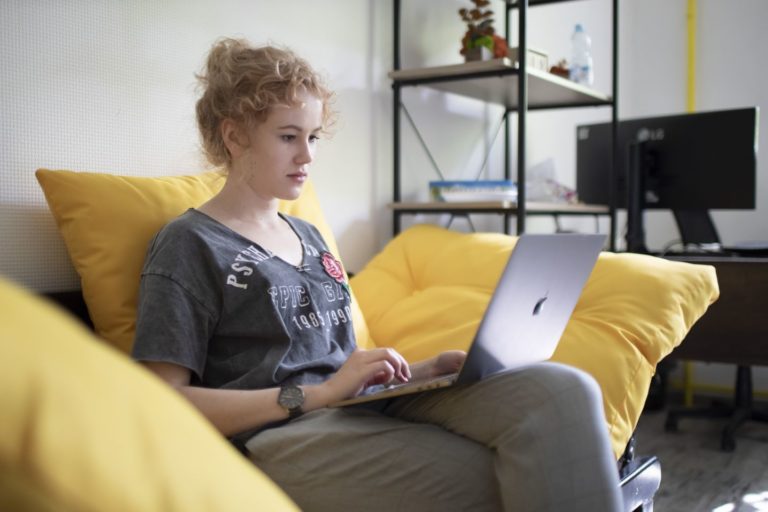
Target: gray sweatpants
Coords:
[(533, 439)]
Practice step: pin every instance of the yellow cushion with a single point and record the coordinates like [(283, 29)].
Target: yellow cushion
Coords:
[(107, 222), (428, 288), (84, 428)]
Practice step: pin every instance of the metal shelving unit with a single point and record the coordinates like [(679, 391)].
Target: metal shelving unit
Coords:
[(518, 89)]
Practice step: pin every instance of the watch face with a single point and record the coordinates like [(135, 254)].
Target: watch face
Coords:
[(291, 397)]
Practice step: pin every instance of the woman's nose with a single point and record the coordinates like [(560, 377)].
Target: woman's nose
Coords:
[(305, 154)]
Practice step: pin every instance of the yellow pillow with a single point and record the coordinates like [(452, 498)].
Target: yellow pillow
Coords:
[(84, 428), (107, 222), (428, 288)]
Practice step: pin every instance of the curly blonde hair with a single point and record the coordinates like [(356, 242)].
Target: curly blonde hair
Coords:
[(242, 83)]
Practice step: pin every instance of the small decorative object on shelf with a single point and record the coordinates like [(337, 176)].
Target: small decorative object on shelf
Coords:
[(561, 69), (480, 42), (537, 59)]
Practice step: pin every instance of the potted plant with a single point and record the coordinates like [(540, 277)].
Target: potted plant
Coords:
[(480, 42)]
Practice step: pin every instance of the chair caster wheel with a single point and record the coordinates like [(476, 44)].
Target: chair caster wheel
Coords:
[(671, 424)]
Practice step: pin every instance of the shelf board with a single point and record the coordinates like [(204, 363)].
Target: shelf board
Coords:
[(496, 81), (532, 207), (533, 3)]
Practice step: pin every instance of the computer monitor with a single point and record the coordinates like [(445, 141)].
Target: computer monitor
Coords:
[(687, 163)]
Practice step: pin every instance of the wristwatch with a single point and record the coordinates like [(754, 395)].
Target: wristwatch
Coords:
[(291, 398)]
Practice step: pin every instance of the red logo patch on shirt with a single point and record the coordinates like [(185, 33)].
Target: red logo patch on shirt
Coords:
[(333, 268)]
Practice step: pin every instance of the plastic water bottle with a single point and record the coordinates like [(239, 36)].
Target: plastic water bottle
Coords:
[(581, 70)]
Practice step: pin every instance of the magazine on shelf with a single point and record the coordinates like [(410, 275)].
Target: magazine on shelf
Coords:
[(474, 190)]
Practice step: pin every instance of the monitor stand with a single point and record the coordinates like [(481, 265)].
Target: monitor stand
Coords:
[(636, 176), (697, 227)]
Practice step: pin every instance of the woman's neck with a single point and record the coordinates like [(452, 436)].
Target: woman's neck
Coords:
[(238, 203), (256, 218)]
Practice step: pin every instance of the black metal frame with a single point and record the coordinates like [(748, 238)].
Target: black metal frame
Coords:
[(522, 109)]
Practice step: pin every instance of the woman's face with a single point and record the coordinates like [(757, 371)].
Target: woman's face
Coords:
[(281, 149)]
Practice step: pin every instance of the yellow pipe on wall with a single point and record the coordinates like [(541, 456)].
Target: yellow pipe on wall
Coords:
[(688, 378), (716, 390)]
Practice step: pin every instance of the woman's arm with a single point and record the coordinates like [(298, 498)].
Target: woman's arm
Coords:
[(232, 411)]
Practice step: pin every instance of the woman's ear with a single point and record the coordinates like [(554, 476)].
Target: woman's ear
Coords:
[(234, 137)]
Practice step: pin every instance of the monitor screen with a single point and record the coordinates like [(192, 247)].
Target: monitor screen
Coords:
[(698, 161)]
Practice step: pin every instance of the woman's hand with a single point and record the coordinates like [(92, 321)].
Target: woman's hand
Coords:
[(449, 361), (444, 363), (366, 368)]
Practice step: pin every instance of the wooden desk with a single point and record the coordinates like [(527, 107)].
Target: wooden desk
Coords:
[(735, 328)]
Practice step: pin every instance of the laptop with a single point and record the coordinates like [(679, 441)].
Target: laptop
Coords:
[(526, 316)]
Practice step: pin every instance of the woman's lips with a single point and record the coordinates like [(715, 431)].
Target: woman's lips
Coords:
[(298, 176)]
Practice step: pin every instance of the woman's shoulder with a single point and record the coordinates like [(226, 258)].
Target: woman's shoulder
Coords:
[(186, 234), (191, 224)]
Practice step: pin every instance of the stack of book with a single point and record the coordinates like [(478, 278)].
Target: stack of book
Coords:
[(473, 191)]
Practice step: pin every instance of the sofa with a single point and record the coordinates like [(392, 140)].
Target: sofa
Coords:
[(92, 430)]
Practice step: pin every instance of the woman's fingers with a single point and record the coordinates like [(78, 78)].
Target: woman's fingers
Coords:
[(398, 368), (402, 371), (382, 373)]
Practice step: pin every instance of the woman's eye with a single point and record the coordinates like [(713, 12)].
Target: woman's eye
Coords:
[(313, 138), (287, 138)]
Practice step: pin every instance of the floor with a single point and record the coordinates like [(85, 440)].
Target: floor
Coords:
[(696, 475)]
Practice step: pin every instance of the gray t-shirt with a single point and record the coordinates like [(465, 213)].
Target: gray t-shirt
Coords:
[(238, 316)]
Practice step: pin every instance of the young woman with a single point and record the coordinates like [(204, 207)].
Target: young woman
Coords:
[(221, 291)]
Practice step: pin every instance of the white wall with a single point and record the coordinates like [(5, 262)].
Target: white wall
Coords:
[(729, 74), (109, 86)]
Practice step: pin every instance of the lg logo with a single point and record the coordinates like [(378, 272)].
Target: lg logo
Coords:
[(644, 134)]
